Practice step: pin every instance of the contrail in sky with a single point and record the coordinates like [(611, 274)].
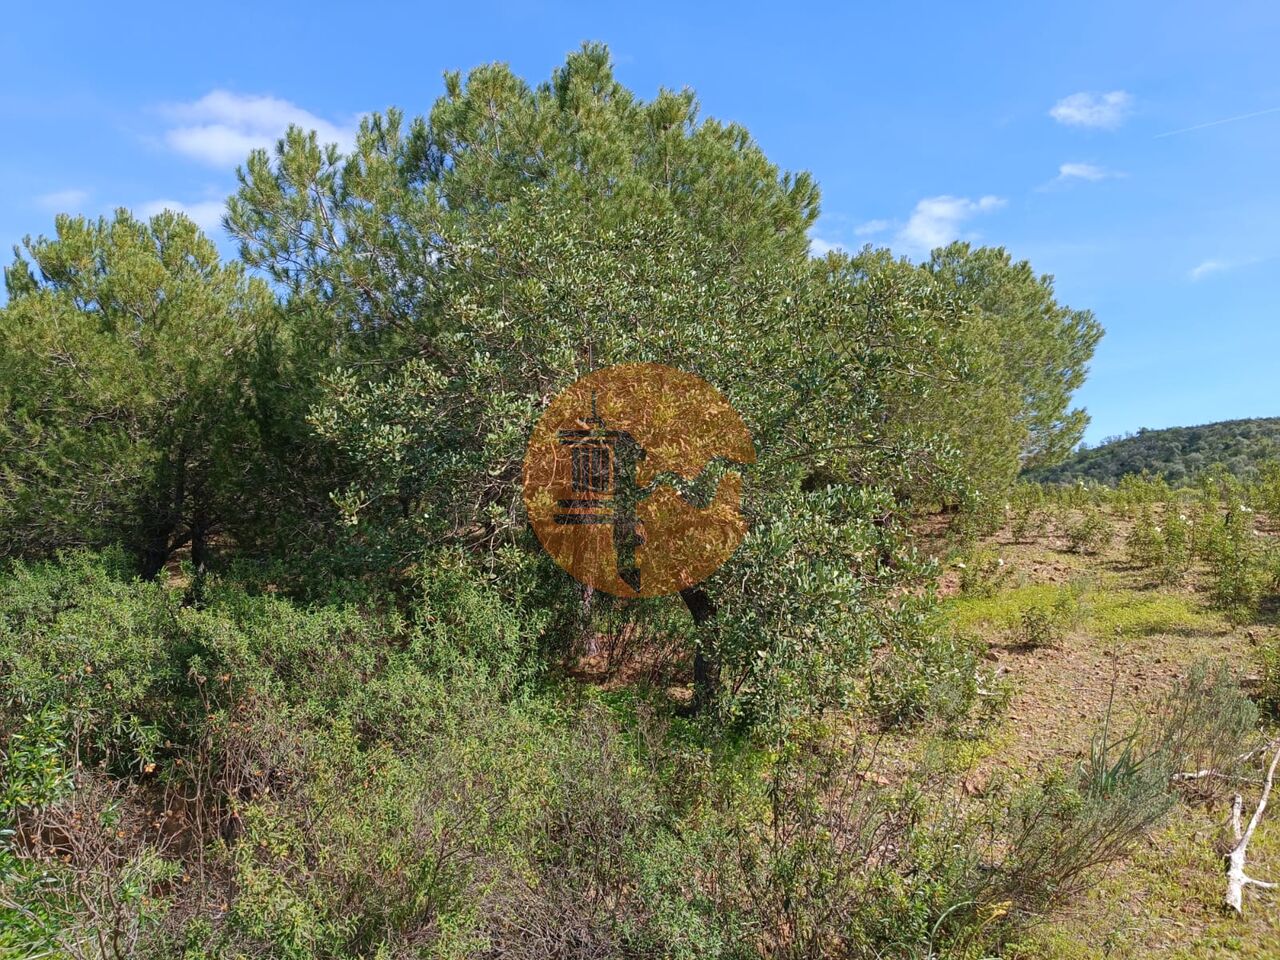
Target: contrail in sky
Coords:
[(1214, 123)]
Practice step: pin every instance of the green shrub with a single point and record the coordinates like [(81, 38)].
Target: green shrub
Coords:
[(1134, 492), (1044, 623), (1265, 494), (1269, 679), (1062, 829), (1091, 532), (925, 674), (1037, 627), (1163, 545), (1241, 562), (812, 858), (1143, 545), (982, 572), (1204, 722), (1175, 548), (1026, 511), (106, 651)]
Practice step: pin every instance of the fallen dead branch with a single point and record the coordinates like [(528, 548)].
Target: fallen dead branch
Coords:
[(1237, 879), (1240, 758), (1207, 774)]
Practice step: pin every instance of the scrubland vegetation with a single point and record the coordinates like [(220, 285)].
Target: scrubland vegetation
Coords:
[(1179, 454), (285, 673)]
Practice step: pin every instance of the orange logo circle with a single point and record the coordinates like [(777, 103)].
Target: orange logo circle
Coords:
[(630, 479)]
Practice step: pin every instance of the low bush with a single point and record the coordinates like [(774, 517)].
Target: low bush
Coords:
[(1063, 828), (926, 675), (1091, 532), (982, 572), (1037, 627), (1026, 512), (1269, 675)]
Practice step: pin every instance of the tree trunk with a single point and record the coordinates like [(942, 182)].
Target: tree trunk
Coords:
[(706, 669), (155, 553), (199, 554), (161, 525)]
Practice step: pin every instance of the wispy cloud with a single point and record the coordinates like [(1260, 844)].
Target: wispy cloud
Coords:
[(936, 221), (1218, 123), (222, 127), (872, 227), (63, 201), (1208, 268), (1085, 171), (206, 214), (1069, 173), (1104, 111), (820, 248), (1202, 270)]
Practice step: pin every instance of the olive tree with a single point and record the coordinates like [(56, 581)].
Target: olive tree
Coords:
[(456, 271)]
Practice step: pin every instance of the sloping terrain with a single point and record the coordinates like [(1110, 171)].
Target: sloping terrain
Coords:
[(1126, 642)]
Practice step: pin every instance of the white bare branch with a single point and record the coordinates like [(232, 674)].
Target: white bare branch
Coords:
[(1237, 879)]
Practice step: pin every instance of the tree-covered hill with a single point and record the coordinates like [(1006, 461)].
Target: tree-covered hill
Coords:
[(1179, 453)]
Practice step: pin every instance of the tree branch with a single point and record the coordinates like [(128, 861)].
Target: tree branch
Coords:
[(1237, 879)]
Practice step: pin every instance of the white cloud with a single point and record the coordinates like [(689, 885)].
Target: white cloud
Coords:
[(872, 226), (206, 214), (222, 127), (1212, 266), (820, 248), (63, 201), (1202, 270), (936, 221), (1103, 110), (1084, 171), (1069, 173)]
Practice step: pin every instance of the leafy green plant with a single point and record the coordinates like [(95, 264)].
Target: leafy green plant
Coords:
[(1045, 624), (982, 572), (1162, 544), (1175, 549), (1091, 532), (1143, 545), (1026, 511), (925, 675), (1239, 560), (1269, 680), (1037, 627), (1137, 491)]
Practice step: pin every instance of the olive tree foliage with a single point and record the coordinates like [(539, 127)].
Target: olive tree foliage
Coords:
[(455, 271), (125, 358)]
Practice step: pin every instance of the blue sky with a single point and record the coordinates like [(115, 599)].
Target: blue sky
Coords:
[(1131, 150)]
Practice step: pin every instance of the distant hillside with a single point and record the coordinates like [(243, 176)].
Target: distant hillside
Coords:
[(1180, 453)]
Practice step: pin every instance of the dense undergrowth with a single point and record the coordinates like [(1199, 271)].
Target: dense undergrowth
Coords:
[(254, 776)]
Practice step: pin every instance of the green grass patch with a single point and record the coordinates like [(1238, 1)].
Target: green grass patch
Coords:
[(1104, 612), (953, 754), (1145, 612)]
